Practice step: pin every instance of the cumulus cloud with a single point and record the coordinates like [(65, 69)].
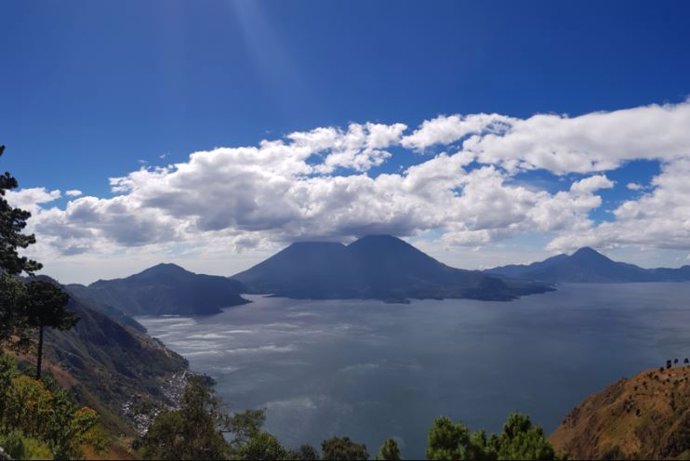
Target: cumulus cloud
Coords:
[(447, 129), (319, 184), (592, 142), (73, 193), (659, 218), (31, 199), (591, 184)]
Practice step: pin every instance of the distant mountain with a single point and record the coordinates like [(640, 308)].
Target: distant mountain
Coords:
[(643, 417), (165, 289), (376, 267), (588, 266)]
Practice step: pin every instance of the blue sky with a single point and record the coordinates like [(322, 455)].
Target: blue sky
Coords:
[(96, 90)]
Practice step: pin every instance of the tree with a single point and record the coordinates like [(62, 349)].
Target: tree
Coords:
[(447, 440), (342, 448), (520, 439), (263, 447), (45, 307), (12, 295), (12, 223), (195, 431), (389, 451), (481, 447), (305, 452), (244, 426)]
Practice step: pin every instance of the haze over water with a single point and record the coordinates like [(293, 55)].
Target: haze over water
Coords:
[(371, 370)]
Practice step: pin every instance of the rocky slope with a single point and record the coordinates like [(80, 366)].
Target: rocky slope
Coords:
[(643, 417)]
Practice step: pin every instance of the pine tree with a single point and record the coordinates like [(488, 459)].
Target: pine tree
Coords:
[(12, 223), (45, 307)]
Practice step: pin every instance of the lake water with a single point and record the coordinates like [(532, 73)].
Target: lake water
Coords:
[(371, 370)]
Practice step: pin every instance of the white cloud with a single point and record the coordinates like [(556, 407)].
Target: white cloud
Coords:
[(659, 218), (593, 142), (447, 129), (634, 186), (318, 184), (73, 193), (31, 199), (591, 184)]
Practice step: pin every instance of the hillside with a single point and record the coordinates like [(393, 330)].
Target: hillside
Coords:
[(589, 266), (644, 417), (165, 289), (375, 267), (109, 366)]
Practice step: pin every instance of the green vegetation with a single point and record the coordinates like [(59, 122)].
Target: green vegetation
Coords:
[(342, 448), (38, 419), (195, 431), (45, 307), (12, 223), (389, 451), (519, 439)]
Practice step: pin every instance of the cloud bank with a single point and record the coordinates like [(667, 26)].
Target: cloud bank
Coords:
[(466, 185)]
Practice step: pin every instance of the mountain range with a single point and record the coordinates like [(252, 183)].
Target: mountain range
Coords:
[(164, 289), (374, 267), (589, 266)]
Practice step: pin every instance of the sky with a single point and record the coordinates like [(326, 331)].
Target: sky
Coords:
[(212, 134)]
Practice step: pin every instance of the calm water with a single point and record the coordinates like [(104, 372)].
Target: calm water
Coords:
[(372, 370)]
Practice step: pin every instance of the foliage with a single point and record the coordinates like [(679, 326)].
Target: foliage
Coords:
[(19, 446), (195, 431), (244, 426), (305, 452), (12, 239), (389, 451), (263, 446), (447, 440), (44, 306), (41, 414), (12, 223), (519, 439), (8, 371), (12, 296), (342, 448)]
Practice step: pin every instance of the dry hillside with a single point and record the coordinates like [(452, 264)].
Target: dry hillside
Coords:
[(644, 417)]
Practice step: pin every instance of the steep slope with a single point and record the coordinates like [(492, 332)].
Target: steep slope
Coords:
[(644, 417), (376, 267), (82, 292), (166, 289), (108, 365), (588, 266)]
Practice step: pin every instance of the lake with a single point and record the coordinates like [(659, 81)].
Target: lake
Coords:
[(371, 370)]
